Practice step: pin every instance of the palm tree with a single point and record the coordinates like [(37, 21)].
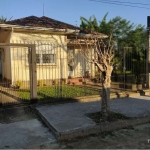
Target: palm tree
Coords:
[(92, 23), (89, 24), (3, 19)]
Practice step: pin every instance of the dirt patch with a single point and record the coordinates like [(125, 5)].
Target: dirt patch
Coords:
[(112, 116), (10, 115)]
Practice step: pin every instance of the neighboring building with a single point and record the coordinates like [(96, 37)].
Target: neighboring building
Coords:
[(56, 56)]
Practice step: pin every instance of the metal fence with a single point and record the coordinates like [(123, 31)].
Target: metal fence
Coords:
[(49, 71), (59, 73), (130, 68)]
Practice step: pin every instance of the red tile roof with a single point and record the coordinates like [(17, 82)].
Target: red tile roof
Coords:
[(46, 22), (41, 22)]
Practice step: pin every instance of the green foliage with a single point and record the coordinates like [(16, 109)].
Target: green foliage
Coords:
[(3, 19), (40, 83), (91, 24), (63, 82), (55, 82), (18, 84), (128, 40), (124, 33)]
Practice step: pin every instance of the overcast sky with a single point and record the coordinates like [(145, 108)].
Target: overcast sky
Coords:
[(69, 11)]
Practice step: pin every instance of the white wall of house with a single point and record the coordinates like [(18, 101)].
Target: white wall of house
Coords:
[(51, 47), (82, 65)]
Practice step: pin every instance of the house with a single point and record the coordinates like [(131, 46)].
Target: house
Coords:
[(57, 57)]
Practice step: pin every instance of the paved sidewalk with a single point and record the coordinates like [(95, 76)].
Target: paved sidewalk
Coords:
[(71, 116), (20, 128)]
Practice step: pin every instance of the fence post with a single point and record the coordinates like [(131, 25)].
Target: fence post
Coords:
[(148, 62), (33, 74)]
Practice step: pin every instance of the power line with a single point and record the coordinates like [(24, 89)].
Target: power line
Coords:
[(128, 4)]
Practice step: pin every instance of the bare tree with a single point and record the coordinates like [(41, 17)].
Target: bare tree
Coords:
[(102, 58)]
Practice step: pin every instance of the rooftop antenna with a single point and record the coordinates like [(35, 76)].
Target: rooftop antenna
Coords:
[(10, 18), (43, 9), (76, 26)]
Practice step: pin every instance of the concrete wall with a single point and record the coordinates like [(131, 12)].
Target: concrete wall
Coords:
[(6, 60)]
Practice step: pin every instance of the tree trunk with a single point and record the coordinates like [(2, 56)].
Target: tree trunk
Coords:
[(105, 107)]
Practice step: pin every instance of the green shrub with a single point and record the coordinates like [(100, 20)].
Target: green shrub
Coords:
[(40, 83), (128, 72), (56, 82), (18, 84), (63, 82)]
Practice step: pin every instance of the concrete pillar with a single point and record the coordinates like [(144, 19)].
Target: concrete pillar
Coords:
[(33, 74)]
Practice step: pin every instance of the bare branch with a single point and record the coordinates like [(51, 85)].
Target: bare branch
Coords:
[(100, 67)]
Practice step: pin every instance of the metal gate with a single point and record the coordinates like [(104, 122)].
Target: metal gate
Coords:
[(16, 73), (130, 68)]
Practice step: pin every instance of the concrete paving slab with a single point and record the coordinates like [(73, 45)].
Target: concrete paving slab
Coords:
[(24, 134), (20, 128), (71, 116), (138, 106), (64, 117)]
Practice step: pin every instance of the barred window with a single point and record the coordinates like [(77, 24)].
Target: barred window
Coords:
[(45, 54), (48, 58), (37, 58)]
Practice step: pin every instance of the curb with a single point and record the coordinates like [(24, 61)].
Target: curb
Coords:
[(95, 129), (101, 128), (112, 96)]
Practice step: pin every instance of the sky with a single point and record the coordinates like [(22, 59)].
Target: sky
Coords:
[(70, 11)]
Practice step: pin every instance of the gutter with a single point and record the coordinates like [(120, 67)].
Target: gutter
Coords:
[(91, 35), (69, 31)]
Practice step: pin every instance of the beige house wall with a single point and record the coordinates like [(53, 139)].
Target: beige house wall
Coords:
[(15, 60), (19, 56), (82, 65)]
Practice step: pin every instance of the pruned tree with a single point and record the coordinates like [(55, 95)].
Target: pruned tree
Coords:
[(102, 58)]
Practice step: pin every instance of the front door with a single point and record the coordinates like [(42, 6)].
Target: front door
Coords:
[(70, 61)]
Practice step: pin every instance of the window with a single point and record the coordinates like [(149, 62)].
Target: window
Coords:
[(45, 58), (37, 58), (45, 54), (48, 58)]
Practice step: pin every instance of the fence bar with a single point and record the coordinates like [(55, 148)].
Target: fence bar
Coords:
[(148, 62)]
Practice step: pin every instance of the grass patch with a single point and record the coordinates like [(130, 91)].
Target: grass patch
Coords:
[(112, 116), (59, 91)]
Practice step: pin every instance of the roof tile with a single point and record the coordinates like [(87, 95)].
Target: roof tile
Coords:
[(46, 22)]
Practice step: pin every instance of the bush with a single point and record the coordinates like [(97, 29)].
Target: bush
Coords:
[(18, 84), (56, 82), (40, 83)]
